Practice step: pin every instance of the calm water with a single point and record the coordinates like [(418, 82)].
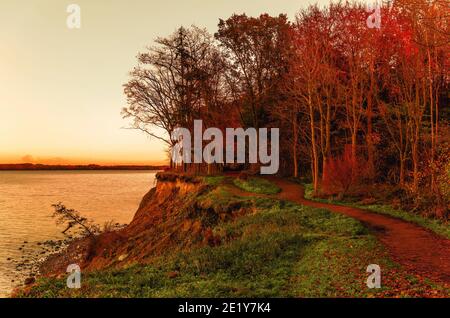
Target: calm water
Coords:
[(26, 199)]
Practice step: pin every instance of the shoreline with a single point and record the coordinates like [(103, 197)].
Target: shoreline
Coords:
[(27, 268), (217, 223), (91, 167), (28, 243)]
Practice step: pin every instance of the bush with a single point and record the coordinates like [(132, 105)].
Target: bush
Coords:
[(344, 175)]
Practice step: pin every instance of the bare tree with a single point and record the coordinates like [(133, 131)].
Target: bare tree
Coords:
[(174, 83), (73, 219)]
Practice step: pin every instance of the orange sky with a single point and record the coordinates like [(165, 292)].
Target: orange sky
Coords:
[(61, 89)]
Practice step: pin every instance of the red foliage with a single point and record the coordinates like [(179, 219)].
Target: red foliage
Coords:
[(344, 174)]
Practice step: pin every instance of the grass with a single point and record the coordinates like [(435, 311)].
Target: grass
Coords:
[(437, 226), (282, 250), (309, 189), (257, 185), (213, 180)]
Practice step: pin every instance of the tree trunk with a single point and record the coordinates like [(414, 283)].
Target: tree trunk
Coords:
[(415, 157), (294, 146), (369, 141), (402, 171), (354, 147), (315, 159)]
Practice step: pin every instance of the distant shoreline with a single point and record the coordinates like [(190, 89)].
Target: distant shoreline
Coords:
[(43, 167)]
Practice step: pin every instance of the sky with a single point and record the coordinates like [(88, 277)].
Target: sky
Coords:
[(61, 89)]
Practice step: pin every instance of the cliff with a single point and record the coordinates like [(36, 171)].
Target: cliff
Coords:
[(174, 216), (207, 237)]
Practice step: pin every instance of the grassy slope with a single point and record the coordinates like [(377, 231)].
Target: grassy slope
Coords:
[(281, 250), (257, 185), (436, 226)]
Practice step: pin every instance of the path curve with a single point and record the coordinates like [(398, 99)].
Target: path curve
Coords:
[(418, 250)]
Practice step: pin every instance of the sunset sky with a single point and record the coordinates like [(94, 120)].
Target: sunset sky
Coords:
[(61, 89)]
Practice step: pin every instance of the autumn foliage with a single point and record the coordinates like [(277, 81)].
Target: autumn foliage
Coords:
[(356, 105), (344, 175)]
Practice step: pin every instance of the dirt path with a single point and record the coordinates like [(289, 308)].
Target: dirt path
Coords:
[(415, 248)]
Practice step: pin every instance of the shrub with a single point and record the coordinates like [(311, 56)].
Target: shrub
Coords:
[(73, 219), (344, 175)]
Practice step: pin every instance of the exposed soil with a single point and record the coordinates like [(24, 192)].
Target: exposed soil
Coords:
[(160, 226), (417, 249), (169, 219)]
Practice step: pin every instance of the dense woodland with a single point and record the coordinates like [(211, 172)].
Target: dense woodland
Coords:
[(362, 111)]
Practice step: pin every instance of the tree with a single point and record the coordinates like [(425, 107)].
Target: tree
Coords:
[(173, 83), (256, 50), (72, 219)]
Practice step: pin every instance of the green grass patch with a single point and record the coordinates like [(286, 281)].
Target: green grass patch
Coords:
[(309, 190), (437, 226), (213, 180), (257, 185), (281, 250), (220, 199)]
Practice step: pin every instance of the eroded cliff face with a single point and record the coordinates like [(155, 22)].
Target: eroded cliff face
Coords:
[(172, 217), (170, 189)]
